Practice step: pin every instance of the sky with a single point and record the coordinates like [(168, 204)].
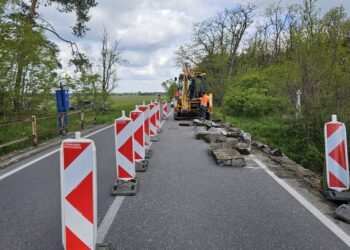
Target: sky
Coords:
[(149, 31)]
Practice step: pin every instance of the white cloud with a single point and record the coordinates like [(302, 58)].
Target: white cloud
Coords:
[(150, 32)]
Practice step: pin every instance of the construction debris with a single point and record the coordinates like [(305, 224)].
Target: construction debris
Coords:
[(343, 212), (228, 157), (185, 124), (227, 144)]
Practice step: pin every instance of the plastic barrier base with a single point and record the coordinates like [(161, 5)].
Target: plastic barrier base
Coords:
[(149, 153), (154, 138), (141, 166), (337, 196), (343, 212), (125, 188), (103, 247), (159, 130)]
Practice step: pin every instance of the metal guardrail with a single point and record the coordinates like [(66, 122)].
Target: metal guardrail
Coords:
[(34, 137)]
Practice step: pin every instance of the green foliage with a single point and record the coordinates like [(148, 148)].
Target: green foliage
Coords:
[(249, 96), (312, 56), (170, 88)]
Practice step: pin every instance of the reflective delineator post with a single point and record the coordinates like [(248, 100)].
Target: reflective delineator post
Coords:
[(153, 121), (165, 110), (337, 167), (158, 116), (126, 182), (78, 193), (145, 109), (137, 116)]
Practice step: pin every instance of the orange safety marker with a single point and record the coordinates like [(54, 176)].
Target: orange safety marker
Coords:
[(126, 182), (78, 193)]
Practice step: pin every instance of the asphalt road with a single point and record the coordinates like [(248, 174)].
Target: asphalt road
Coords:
[(185, 202)]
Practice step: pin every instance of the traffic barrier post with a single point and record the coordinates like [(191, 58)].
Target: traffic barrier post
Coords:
[(145, 109), (337, 167), (78, 193), (137, 117), (153, 122), (159, 129), (126, 182), (165, 110), (336, 155)]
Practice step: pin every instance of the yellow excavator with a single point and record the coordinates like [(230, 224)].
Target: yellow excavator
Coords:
[(188, 104)]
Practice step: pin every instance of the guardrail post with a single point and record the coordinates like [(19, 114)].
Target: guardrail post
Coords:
[(63, 126), (82, 119), (34, 131), (94, 111), (223, 113)]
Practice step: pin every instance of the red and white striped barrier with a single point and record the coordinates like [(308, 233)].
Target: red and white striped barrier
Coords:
[(336, 155), (78, 193), (124, 144), (165, 110), (153, 119), (137, 117), (157, 114), (145, 109)]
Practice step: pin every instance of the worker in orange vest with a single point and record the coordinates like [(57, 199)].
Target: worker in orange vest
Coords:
[(204, 105)]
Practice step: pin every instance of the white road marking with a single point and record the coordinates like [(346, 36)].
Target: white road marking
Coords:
[(112, 212), (312, 209), (44, 156), (108, 219)]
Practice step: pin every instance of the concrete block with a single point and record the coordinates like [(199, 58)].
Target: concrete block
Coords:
[(228, 157), (343, 212)]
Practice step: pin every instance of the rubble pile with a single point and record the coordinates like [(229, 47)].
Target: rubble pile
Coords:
[(227, 144)]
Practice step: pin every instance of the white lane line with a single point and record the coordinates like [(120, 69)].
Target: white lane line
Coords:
[(108, 219), (44, 156), (112, 212), (312, 209)]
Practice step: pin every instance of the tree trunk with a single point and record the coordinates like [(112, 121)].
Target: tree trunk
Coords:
[(21, 62)]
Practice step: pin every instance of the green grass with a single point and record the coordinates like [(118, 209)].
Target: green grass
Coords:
[(20, 130), (265, 129), (120, 103)]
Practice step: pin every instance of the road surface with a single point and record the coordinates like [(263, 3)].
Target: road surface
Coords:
[(184, 202)]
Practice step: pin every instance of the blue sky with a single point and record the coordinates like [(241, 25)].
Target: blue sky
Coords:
[(150, 32)]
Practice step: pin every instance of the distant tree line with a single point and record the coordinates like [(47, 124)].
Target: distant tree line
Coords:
[(258, 73)]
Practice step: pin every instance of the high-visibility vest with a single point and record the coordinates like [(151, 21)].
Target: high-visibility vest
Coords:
[(204, 100)]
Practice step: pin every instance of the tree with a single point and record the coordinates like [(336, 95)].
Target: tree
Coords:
[(26, 24), (111, 59), (170, 87), (215, 45)]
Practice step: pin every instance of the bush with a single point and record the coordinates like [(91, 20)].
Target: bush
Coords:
[(250, 102)]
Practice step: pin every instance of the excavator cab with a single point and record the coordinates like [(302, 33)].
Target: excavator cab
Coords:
[(191, 90)]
